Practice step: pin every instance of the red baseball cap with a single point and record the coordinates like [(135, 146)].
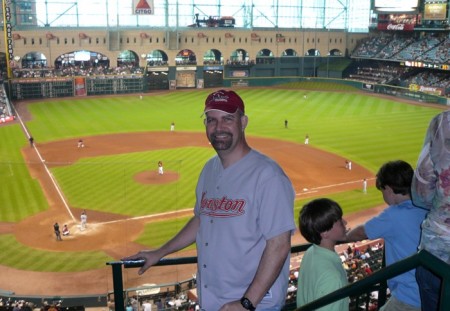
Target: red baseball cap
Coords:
[(224, 100)]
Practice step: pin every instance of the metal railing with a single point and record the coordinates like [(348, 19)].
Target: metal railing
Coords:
[(422, 258)]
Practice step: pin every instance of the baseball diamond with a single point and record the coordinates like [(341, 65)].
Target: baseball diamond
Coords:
[(111, 234)]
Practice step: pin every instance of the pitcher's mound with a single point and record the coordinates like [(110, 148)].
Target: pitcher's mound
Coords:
[(152, 177)]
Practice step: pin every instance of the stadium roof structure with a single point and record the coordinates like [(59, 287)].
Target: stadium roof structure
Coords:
[(351, 15)]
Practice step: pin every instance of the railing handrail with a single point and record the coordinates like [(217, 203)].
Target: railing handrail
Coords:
[(422, 258)]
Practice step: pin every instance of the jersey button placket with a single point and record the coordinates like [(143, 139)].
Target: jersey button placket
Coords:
[(218, 184)]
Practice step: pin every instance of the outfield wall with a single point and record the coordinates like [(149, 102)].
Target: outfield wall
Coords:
[(76, 86), (371, 88), (113, 85)]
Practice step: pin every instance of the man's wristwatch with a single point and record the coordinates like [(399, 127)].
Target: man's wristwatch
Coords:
[(247, 304)]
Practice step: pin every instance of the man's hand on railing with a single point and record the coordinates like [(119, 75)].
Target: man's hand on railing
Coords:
[(147, 258)]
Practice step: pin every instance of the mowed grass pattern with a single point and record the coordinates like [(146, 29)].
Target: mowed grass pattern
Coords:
[(107, 183), (367, 129)]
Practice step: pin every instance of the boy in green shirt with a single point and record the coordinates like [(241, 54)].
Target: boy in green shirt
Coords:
[(321, 271)]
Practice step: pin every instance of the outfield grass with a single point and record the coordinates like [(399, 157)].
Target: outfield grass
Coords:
[(369, 130)]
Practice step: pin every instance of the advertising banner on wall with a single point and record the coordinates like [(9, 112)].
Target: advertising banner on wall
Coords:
[(427, 89), (435, 11), (8, 35), (368, 87), (396, 27), (239, 73), (143, 7), (80, 86), (397, 22)]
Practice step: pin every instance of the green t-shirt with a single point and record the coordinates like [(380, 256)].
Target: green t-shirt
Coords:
[(321, 273)]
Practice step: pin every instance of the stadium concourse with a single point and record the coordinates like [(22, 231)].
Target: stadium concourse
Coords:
[(115, 234)]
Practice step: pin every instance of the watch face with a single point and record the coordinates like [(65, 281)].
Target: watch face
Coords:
[(247, 304)]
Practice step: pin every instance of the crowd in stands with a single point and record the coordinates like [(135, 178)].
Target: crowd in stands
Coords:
[(186, 62), (8, 304), (418, 48), (428, 78), (393, 47), (156, 63), (167, 300), (439, 55), (6, 113), (359, 262), (240, 62), (382, 73), (433, 49), (371, 46), (399, 47), (15, 305), (72, 71), (379, 73), (212, 62)]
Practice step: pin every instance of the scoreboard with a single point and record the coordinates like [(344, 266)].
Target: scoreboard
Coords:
[(425, 65), (435, 10)]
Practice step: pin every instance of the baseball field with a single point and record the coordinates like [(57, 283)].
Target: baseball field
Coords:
[(115, 179)]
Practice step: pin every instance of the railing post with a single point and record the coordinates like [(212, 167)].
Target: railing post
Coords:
[(119, 303), (445, 294)]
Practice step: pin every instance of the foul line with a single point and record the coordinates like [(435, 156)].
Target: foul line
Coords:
[(55, 184), (148, 216), (316, 189)]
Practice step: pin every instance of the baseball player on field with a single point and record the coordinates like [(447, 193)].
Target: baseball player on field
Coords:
[(57, 232), (80, 143), (243, 218), (83, 219), (160, 168)]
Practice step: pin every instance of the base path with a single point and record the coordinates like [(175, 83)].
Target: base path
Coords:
[(313, 173)]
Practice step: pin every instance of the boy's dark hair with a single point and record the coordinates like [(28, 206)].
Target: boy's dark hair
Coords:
[(318, 216), (396, 174)]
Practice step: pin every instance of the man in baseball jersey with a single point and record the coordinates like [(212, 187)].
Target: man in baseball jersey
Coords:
[(243, 218)]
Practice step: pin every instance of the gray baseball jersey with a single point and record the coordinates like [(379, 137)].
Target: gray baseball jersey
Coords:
[(240, 208)]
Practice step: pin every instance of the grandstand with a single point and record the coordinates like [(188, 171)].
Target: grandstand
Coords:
[(65, 49)]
